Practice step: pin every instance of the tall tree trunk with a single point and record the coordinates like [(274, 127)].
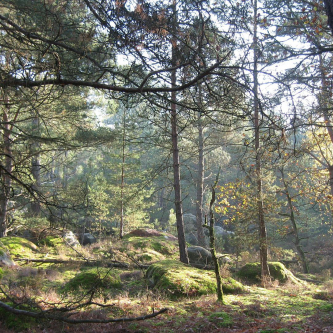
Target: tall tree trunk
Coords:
[(291, 215), (35, 168), (323, 101), (260, 205), (200, 184), (6, 170), (122, 185), (175, 151)]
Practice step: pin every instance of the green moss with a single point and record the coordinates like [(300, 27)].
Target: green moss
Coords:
[(156, 243), (278, 271), (177, 279), (52, 241), (93, 279), (326, 307), (251, 272), (150, 256), (19, 247), (221, 319)]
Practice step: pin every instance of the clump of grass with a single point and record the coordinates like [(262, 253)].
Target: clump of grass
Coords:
[(221, 319), (98, 279)]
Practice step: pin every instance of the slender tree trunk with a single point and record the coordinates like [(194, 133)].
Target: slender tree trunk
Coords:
[(122, 185), (262, 226), (212, 244), (7, 168), (175, 151), (297, 241), (323, 104), (200, 184), (35, 168)]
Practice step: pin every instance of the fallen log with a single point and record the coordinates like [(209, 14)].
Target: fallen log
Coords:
[(85, 262)]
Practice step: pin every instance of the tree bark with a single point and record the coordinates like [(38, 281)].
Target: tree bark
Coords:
[(297, 241), (175, 151), (7, 169), (323, 99), (122, 185), (200, 184), (260, 205), (35, 168), (212, 244)]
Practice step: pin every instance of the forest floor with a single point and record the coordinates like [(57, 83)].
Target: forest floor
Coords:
[(280, 309), (285, 308)]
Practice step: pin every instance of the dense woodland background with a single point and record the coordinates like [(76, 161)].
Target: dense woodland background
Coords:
[(118, 115)]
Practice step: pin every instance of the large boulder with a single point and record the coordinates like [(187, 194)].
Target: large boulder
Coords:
[(199, 255), (191, 239), (88, 239), (150, 233), (219, 231), (251, 273), (178, 279)]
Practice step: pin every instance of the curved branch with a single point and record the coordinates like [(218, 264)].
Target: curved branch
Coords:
[(45, 315)]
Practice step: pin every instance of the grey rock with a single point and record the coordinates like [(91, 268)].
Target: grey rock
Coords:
[(199, 255), (88, 239), (70, 238), (6, 260)]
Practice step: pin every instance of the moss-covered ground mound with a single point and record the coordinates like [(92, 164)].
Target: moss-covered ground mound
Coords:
[(251, 273), (150, 249), (178, 279), (19, 247), (97, 279)]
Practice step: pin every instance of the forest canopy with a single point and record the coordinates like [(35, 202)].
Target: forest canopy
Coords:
[(117, 115)]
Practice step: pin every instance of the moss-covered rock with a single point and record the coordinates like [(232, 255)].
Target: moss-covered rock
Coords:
[(156, 247), (19, 247), (150, 256), (93, 279), (150, 233), (178, 279), (251, 272), (199, 255)]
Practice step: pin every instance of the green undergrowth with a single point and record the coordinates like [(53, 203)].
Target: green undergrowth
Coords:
[(178, 279), (52, 241), (189, 293), (98, 279)]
